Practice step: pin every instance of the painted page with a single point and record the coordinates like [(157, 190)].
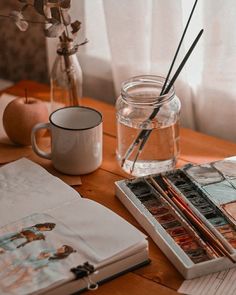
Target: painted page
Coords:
[(37, 253), (91, 231)]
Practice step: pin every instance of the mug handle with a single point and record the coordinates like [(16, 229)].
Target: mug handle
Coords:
[(35, 147)]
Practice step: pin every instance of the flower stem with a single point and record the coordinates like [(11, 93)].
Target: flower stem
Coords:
[(66, 29)]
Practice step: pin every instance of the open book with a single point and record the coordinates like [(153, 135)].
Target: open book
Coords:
[(55, 242)]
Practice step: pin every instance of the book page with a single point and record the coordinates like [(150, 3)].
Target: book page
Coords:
[(104, 232), (37, 253), (98, 235), (219, 283), (26, 188), (5, 99)]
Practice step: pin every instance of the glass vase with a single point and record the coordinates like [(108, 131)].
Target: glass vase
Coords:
[(66, 77)]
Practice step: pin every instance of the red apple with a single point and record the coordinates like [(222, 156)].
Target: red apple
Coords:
[(19, 117)]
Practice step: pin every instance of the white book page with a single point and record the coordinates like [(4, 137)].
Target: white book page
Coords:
[(26, 188), (5, 99), (104, 232), (219, 283)]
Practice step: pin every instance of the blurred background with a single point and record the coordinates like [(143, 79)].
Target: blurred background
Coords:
[(23, 55), (135, 37)]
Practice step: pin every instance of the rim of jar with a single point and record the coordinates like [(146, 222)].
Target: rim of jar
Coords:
[(152, 80)]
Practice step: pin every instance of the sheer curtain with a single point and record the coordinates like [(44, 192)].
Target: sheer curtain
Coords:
[(134, 37)]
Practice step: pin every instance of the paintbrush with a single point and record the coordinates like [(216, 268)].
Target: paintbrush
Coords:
[(172, 196), (144, 134), (211, 228)]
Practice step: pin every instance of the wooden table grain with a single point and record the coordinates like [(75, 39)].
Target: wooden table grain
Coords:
[(160, 277)]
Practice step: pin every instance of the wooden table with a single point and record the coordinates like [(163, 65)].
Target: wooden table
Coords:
[(160, 277)]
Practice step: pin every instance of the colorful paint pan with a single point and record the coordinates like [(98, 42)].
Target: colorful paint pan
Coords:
[(208, 192), (169, 219)]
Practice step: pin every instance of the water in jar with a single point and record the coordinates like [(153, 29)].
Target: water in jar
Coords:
[(159, 153)]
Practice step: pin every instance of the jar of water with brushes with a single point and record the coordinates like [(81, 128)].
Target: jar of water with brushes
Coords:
[(147, 126)]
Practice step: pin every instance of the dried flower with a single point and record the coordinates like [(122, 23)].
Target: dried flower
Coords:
[(18, 18), (56, 15)]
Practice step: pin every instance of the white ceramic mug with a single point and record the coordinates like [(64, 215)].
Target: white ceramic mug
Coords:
[(76, 140)]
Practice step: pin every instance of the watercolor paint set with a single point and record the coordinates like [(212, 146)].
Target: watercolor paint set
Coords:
[(190, 213)]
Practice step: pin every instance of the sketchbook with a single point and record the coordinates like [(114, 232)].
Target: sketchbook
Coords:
[(190, 213), (52, 241)]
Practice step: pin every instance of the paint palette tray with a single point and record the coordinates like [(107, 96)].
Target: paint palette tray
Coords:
[(209, 191)]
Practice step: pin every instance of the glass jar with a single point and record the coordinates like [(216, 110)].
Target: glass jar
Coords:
[(66, 77), (143, 114)]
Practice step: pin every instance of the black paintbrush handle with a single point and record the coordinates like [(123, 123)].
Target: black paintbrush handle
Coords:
[(178, 48), (145, 132)]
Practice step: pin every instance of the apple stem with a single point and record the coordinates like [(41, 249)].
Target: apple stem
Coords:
[(26, 96)]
